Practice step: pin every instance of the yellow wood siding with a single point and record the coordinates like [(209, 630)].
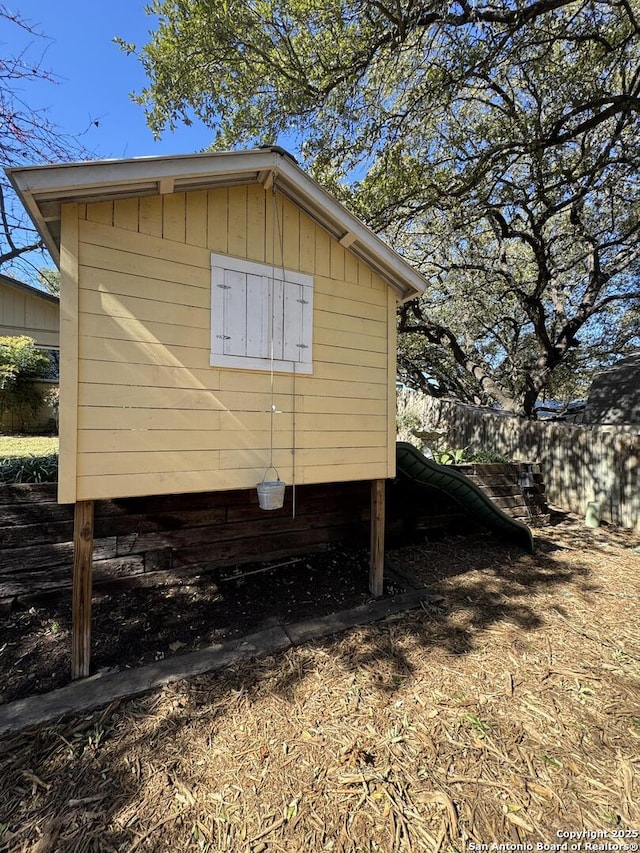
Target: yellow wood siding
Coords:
[(153, 417), (22, 313)]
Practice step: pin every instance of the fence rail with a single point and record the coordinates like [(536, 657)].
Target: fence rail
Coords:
[(582, 464)]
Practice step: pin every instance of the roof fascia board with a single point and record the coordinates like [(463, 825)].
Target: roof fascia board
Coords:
[(42, 226), (336, 219), (74, 177), (38, 186), (68, 181)]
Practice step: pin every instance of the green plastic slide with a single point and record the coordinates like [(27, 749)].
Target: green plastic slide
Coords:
[(415, 465)]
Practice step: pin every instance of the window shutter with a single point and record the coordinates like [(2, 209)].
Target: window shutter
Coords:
[(219, 286), (250, 309), (276, 316), (257, 317), (298, 316), (234, 313)]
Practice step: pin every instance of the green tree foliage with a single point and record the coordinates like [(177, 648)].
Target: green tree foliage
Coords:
[(20, 363), (49, 280), (495, 144)]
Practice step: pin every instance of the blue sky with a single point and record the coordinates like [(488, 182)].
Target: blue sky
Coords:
[(94, 76)]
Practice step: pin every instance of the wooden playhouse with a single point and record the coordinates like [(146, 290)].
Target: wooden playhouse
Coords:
[(222, 316)]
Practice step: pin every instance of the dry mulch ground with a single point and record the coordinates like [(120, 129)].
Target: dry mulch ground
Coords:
[(506, 711)]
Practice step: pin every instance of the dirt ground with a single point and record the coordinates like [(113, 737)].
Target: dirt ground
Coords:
[(506, 710), (134, 626)]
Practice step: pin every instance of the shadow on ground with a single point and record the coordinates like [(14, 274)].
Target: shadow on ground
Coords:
[(478, 580), (474, 584)]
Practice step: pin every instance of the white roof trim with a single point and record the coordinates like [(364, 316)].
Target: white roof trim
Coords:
[(43, 189)]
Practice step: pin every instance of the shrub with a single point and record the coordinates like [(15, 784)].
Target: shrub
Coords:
[(462, 455), (20, 363), (29, 469), (52, 399), (451, 457)]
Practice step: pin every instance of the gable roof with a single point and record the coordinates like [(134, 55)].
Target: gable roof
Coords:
[(29, 289), (43, 189)]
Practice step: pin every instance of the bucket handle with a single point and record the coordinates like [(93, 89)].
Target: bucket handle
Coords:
[(270, 468)]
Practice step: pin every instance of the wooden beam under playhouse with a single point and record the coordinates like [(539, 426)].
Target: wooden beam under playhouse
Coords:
[(81, 602), (376, 558)]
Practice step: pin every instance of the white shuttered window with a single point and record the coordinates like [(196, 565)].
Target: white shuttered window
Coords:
[(255, 308)]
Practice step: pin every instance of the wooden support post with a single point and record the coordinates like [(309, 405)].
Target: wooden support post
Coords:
[(81, 608), (376, 559)]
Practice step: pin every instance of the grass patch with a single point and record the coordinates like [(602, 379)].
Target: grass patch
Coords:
[(12, 446), (28, 459)]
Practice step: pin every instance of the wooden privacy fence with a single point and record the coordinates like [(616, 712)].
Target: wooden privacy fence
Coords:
[(580, 463)]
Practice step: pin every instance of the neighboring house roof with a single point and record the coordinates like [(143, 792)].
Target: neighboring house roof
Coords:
[(29, 288), (556, 410), (43, 189), (614, 397)]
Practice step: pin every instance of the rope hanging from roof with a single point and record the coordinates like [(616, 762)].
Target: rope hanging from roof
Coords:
[(271, 492)]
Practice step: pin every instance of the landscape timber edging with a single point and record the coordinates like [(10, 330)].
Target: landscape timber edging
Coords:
[(89, 694)]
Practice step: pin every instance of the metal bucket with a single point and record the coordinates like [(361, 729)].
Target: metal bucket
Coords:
[(271, 492)]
